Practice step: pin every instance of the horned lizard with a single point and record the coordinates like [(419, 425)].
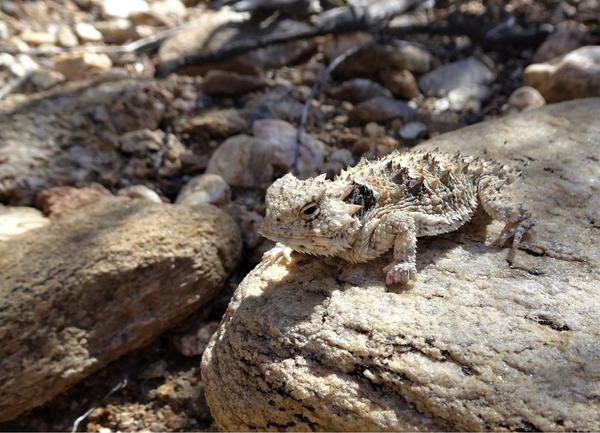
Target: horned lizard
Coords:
[(376, 205)]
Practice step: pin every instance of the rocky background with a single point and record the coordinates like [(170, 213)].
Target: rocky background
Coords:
[(137, 139)]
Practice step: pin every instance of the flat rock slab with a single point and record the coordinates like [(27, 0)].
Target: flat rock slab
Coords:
[(101, 282), (317, 344)]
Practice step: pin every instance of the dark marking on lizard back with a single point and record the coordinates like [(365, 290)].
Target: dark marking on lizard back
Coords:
[(364, 196), (414, 185)]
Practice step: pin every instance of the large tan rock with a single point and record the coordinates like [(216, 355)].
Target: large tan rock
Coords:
[(473, 345), (101, 282)]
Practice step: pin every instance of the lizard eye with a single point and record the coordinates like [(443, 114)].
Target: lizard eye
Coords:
[(310, 211)]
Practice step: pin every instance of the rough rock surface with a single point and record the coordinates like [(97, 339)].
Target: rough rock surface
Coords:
[(127, 271), (61, 200), (317, 344), (71, 137)]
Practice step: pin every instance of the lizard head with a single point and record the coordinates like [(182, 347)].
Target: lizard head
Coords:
[(310, 216)]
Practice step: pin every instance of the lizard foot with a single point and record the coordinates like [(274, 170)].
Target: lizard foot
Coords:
[(514, 230), (400, 273), (278, 253)]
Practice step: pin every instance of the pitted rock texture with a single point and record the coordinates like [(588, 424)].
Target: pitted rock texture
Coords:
[(315, 344), (72, 136), (101, 282)]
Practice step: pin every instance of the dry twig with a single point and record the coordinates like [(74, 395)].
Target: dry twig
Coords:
[(119, 386)]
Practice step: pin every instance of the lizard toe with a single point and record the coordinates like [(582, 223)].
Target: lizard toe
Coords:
[(278, 254), (400, 273)]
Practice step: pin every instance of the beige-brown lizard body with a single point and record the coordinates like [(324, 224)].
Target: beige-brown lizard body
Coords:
[(386, 204)]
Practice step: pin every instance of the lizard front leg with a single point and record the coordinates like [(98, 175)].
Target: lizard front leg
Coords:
[(401, 228)]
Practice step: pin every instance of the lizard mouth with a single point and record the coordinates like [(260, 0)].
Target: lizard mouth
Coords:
[(290, 239), (284, 236)]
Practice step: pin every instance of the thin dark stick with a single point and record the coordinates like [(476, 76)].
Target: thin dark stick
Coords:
[(358, 22), (516, 36), (240, 47)]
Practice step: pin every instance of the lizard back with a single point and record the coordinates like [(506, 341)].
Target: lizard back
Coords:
[(439, 190)]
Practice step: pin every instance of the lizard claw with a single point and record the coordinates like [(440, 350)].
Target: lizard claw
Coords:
[(400, 273), (278, 253), (514, 230)]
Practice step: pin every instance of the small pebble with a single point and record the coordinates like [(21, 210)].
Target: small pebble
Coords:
[(38, 38), (464, 73), (373, 129), (205, 188), (249, 222), (19, 219), (66, 37), (342, 155), (381, 109), (412, 130), (87, 32), (224, 83), (117, 31), (193, 344), (141, 192), (243, 161), (4, 33), (561, 42), (401, 83), (76, 66), (467, 98), (123, 8), (358, 90), (43, 79), (523, 99)]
